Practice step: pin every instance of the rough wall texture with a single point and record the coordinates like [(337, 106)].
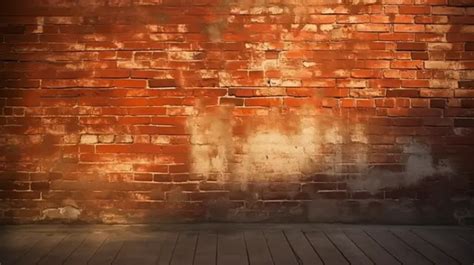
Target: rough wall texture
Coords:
[(237, 110)]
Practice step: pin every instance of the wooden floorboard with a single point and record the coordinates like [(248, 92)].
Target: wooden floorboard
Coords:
[(41, 249), (397, 248), (257, 248), (374, 251), (231, 249), (185, 248), (350, 251), (108, 251), (281, 251), (429, 251), (87, 249), (466, 235), (236, 244), (206, 248), (328, 251), (62, 251), (139, 250), (449, 243), (168, 248), (302, 248), (14, 246)]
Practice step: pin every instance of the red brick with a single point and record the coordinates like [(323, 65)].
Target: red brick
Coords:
[(264, 102), (419, 56), (129, 83), (231, 101), (112, 73), (403, 93), (411, 46), (162, 83), (409, 28), (415, 83), (365, 103), (415, 10), (406, 64)]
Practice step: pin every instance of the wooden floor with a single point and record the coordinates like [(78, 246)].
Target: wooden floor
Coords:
[(235, 244)]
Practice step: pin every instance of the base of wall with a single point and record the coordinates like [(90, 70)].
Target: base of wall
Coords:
[(460, 212)]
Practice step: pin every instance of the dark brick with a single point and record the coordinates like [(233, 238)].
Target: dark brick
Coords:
[(466, 84), (463, 122), (469, 46), (438, 103), (408, 93), (162, 83), (419, 56), (467, 103), (411, 46), (467, 3)]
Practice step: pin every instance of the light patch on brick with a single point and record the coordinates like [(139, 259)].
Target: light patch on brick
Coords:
[(211, 140), (39, 25), (277, 147), (106, 138), (89, 139)]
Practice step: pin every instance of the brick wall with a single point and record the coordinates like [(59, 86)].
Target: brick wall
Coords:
[(237, 110)]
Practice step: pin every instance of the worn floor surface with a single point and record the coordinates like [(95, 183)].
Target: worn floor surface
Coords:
[(235, 244)]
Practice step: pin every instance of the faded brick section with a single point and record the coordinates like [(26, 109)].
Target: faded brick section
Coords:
[(141, 111)]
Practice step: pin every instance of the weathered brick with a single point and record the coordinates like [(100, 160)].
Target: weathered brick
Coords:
[(403, 93), (187, 109), (411, 46), (89, 139), (162, 83)]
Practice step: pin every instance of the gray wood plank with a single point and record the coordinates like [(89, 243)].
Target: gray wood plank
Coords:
[(397, 247), (231, 249), (302, 248), (62, 251), (426, 249), (329, 253), (206, 249), (280, 249), (449, 243), (139, 250), (261, 245), (185, 247), (15, 245), (348, 248), (87, 249), (373, 250), (41, 248), (168, 247), (257, 248), (108, 250), (466, 234)]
